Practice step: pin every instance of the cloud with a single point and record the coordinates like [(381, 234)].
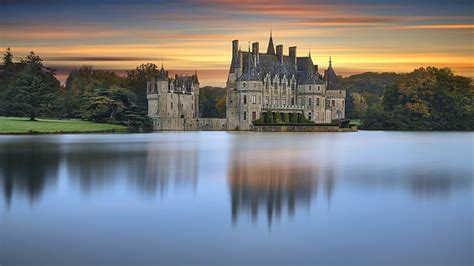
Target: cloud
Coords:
[(350, 21), (439, 26), (103, 58)]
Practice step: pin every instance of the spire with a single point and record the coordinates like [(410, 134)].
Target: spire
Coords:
[(162, 74), (330, 61), (196, 80), (271, 47)]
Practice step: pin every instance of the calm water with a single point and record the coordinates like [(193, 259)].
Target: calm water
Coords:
[(365, 198)]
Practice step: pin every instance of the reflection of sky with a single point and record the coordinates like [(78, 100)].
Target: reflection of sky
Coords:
[(361, 36), (281, 197)]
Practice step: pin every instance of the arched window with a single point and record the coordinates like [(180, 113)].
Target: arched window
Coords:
[(333, 103), (310, 101), (309, 116)]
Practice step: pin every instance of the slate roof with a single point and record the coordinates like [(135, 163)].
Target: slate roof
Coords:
[(250, 72), (331, 78), (303, 71)]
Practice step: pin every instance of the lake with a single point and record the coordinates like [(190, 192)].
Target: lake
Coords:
[(365, 198)]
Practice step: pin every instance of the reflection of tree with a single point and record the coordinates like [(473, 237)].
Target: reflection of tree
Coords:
[(273, 182), (27, 168), (147, 166), (421, 182)]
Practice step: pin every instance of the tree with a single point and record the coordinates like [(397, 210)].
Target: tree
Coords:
[(86, 80), (106, 105), (35, 87), (212, 101), (8, 73), (425, 99), (137, 80)]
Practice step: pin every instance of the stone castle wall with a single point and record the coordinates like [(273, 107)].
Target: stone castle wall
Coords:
[(184, 124)]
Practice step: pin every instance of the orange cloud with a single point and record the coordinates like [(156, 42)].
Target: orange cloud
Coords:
[(441, 26)]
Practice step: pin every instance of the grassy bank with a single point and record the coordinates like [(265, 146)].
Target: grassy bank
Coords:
[(16, 125)]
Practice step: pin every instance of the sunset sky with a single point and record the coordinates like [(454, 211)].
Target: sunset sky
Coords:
[(370, 35)]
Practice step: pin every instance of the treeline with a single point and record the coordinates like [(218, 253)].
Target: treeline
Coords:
[(425, 99), (28, 88)]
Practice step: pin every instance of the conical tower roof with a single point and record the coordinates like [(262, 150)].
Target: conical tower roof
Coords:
[(271, 47)]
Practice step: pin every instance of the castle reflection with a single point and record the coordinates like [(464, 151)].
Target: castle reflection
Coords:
[(274, 182)]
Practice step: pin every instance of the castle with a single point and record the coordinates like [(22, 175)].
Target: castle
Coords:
[(257, 83)]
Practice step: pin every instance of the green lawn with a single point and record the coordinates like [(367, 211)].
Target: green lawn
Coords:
[(16, 125)]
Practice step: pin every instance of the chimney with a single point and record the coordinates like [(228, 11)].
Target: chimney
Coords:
[(316, 68), (279, 52), (240, 60), (235, 50), (292, 53), (256, 52)]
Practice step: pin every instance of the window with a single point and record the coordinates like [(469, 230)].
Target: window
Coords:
[(317, 101), (245, 99), (310, 101), (275, 100), (309, 87), (319, 88), (292, 100), (254, 116), (267, 86), (284, 86), (254, 99), (309, 116), (342, 102), (293, 86), (244, 84), (245, 115), (276, 86), (333, 103), (267, 100), (171, 105), (283, 100)]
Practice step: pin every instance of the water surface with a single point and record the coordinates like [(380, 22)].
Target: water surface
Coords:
[(367, 198)]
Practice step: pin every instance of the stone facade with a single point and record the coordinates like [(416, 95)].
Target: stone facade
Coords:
[(271, 81)]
